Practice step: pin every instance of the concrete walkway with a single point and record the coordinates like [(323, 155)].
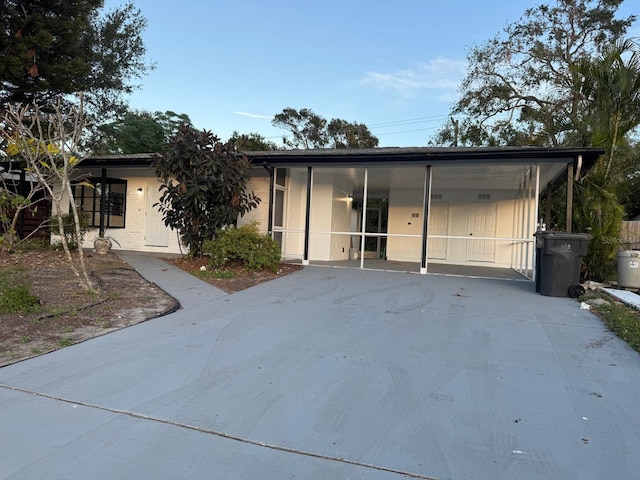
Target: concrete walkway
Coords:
[(332, 374)]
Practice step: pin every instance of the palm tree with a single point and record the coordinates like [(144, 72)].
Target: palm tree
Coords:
[(610, 92), (611, 84)]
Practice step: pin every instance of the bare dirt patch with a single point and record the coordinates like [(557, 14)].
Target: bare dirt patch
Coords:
[(67, 314), (232, 278)]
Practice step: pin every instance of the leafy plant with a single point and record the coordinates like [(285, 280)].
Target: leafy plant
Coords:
[(70, 230), (244, 245), (65, 342), (61, 48), (47, 141), (204, 186), (15, 292), (18, 299)]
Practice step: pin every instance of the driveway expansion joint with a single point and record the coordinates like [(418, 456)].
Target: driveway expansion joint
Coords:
[(216, 433)]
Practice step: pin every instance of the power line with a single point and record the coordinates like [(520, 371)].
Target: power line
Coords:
[(406, 131), (408, 121)]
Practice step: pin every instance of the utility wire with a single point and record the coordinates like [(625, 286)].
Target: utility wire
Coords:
[(408, 121)]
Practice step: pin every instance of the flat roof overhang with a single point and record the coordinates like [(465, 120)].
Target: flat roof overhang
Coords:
[(412, 156), (397, 156), (131, 160)]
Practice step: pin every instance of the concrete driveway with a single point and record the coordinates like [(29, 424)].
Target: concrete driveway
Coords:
[(332, 374)]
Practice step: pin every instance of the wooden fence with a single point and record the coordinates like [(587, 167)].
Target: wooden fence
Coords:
[(630, 235)]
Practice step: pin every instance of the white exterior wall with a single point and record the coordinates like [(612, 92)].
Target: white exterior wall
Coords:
[(341, 219), (132, 237), (295, 214), (403, 206), (321, 216), (260, 214), (459, 224)]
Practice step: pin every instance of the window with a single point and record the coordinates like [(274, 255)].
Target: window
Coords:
[(89, 194), (278, 204)]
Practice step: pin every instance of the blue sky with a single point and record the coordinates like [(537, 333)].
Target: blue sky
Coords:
[(394, 65)]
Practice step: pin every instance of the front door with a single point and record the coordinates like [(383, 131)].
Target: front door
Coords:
[(155, 232), (483, 225)]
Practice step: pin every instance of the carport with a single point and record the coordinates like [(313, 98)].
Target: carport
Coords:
[(426, 209)]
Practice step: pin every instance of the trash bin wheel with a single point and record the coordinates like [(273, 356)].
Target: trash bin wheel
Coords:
[(575, 291)]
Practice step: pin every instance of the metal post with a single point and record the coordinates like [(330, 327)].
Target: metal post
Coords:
[(103, 201), (307, 221), (537, 212), (426, 211)]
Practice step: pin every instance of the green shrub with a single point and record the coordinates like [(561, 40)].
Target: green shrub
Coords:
[(15, 292), (18, 299), (70, 228), (244, 245)]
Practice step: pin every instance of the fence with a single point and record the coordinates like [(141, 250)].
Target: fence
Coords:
[(630, 235)]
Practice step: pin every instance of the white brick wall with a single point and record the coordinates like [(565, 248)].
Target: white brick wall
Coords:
[(260, 186), (132, 237)]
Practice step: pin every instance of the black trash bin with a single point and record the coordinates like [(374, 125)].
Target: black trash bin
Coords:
[(558, 262)]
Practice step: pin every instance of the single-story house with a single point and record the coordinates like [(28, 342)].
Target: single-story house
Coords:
[(417, 209)]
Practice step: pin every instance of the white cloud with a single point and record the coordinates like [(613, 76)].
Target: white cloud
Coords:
[(439, 74), (253, 115)]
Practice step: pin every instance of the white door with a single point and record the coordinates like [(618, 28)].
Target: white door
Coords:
[(438, 225), (482, 223), (155, 232)]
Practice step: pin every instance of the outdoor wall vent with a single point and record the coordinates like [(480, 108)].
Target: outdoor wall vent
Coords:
[(436, 196), (484, 196)]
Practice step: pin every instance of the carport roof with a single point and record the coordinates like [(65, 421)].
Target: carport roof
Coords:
[(397, 155), (425, 156), (388, 155)]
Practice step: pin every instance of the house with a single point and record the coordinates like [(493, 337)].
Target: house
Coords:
[(410, 208)]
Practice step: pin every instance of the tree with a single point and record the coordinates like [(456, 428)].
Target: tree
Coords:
[(58, 48), (137, 132), (522, 87), (309, 131), (610, 88), (350, 135), (557, 77), (204, 186), (252, 142), (48, 144)]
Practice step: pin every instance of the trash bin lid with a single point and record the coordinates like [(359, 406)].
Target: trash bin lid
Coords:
[(568, 236), (628, 253)]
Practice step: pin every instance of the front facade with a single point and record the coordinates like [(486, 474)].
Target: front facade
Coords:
[(411, 208)]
